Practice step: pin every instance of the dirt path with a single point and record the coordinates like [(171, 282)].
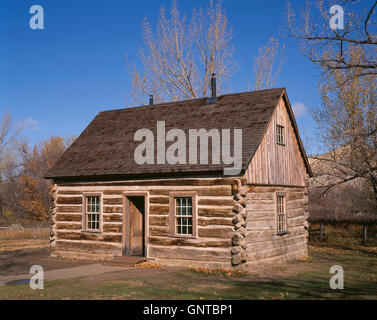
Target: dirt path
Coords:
[(66, 273), (19, 261)]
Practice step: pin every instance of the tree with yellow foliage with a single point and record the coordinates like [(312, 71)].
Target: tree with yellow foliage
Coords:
[(348, 125)]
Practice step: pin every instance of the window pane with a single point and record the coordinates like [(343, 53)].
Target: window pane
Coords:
[(281, 214), (184, 216), (93, 204), (280, 134), (93, 213)]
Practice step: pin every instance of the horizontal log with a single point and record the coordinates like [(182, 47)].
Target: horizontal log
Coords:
[(79, 246), (257, 236), (159, 200), (204, 254), (215, 202), (261, 207), (290, 256), (112, 218), (158, 231), (157, 182), (159, 210), (68, 217), (264, 189), (108, 209), (68, 226), (260, 201), (215, 212), (69, 192), (261, 196), (218, 232), (69, 200), (276, 243), (295, 195), (189, 242), (113, 192), (260, 214), (215, 221), (267, 224), (210, 191), (72, 209), (162, 221), (114, 228), (293, 213), (88, 236), (276, 252), (112, 201), (297, 221), (295, 204)]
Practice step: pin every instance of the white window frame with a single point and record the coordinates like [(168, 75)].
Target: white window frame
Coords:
[(173, 214), (86, 213), (281, 217)]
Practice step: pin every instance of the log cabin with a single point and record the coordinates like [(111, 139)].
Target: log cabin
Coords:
[(106, 203)]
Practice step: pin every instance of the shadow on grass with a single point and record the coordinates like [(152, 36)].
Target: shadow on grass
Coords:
[(304, 289)]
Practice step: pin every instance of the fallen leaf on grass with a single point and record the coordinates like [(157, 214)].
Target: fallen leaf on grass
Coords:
[(148, 265)]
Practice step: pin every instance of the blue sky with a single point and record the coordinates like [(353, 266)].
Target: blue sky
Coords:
[(59, 78)]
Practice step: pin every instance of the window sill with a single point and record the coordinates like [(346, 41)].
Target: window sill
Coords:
[(181, 236), (91, 231), (282, 233), (280, 144)]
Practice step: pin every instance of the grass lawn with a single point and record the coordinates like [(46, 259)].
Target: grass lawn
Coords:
[(297, 280)]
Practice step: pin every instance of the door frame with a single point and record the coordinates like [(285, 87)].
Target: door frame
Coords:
[(126, 225)]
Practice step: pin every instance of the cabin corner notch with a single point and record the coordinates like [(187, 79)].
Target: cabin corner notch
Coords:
[(239, 243)]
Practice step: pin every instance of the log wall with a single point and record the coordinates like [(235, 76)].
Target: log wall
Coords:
[(264, 246), (214, 221), (217, 223)]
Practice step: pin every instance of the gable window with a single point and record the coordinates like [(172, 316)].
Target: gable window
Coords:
[(280, 139), (182, 216), (281, 214), (92, 213)]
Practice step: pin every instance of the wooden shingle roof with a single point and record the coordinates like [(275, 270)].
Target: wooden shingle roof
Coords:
[(106, 147)]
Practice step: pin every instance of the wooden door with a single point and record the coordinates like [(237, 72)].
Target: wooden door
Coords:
[(136, 226)]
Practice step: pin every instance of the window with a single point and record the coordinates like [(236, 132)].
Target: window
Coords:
[(281, 214), (182, 216), (280, 135), (92, 221)]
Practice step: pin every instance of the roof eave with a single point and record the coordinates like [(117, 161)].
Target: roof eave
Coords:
[(147, 176)]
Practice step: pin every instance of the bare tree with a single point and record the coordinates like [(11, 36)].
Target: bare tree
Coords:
[(268, 64), (8, 158), (180, 56), (348, 125), (332, 48), (8, 135)]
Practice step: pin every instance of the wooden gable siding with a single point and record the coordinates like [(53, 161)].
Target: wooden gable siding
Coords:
[(275, 164)]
